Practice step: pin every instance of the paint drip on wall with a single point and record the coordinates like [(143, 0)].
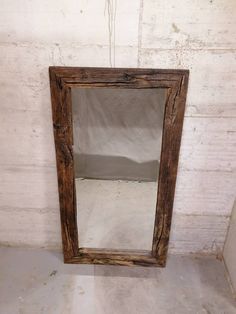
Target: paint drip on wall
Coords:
[(110, 11)]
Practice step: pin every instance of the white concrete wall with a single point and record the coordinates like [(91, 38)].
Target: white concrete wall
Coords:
[(196, 34), (230, 250)]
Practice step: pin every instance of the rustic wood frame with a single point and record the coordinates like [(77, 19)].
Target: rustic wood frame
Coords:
[(62, 79)]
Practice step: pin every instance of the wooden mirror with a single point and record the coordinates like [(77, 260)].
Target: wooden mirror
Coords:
[(117, 138)]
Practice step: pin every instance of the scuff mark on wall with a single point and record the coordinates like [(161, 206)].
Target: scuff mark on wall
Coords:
[(110, 10)]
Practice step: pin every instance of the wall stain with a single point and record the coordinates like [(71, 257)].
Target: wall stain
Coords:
[(175, 28)]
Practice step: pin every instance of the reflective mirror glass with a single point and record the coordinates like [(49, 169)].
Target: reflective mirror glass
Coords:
[(117, 135)]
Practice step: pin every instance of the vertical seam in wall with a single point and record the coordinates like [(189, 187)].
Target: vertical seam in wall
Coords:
[(140, 22), (228, 227), (228, 277), (227, 272)]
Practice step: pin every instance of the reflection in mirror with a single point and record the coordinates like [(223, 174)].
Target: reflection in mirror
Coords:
[(117, 137)]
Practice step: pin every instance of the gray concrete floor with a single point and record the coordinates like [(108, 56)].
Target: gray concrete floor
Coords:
[(37, 281)]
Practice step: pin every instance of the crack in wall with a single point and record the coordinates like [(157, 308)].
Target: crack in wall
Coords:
[(110, 9), (140, 22)]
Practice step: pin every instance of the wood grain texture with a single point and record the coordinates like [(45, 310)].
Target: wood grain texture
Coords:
[(61, 81), (61, 111), (172, 130)]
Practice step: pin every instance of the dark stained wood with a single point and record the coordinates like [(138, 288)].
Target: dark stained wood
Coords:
[(61, 81), (115, 257), (61, 112), (171, 138)]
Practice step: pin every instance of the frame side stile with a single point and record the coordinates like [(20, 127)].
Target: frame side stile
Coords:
[(60, 97), (159, 222), (168, 171)]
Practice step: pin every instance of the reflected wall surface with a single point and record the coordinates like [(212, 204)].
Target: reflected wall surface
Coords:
[(117, 137)]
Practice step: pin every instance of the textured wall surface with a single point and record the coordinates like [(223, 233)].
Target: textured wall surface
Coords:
[(197, 35)]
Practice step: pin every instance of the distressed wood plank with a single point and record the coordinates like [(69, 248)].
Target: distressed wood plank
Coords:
[(176, 83), (61, 112)]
